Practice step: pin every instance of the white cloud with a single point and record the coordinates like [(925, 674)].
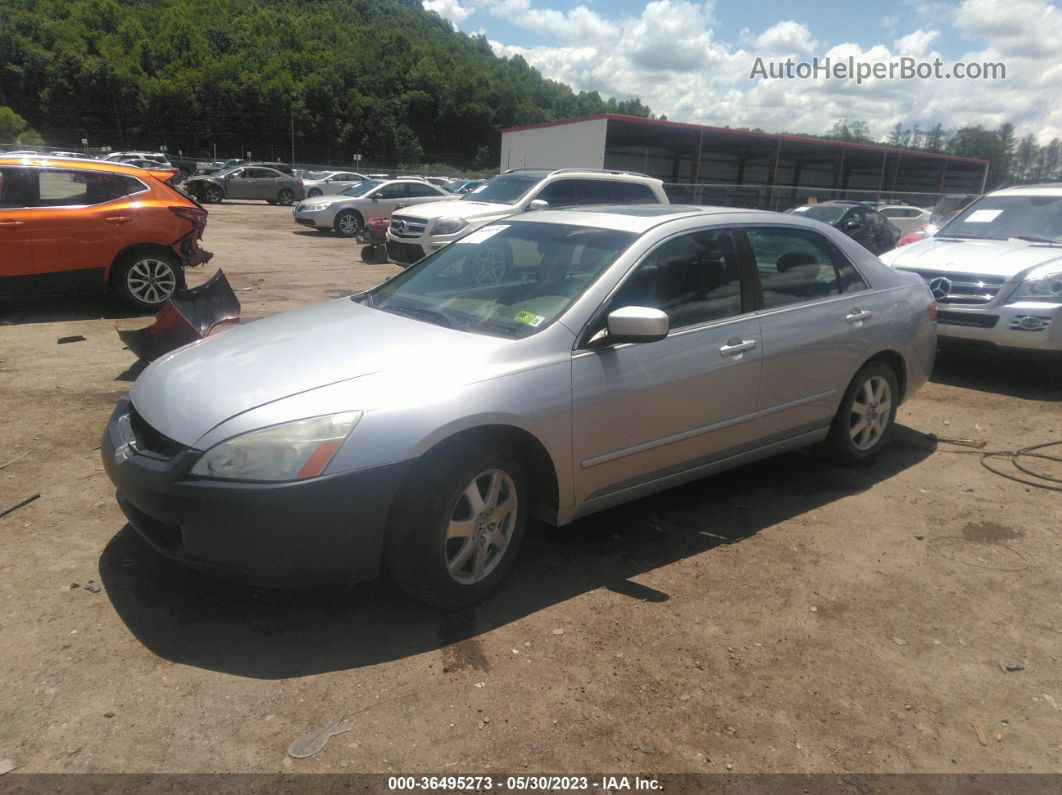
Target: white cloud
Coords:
[(449, 9), (916, 44), (785, 38)]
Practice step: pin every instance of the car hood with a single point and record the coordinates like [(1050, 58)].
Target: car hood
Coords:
[(195, 388), (1009, 259), (456, 208)]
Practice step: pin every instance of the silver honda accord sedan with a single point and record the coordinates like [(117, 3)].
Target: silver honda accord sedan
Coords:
[(543, 367)]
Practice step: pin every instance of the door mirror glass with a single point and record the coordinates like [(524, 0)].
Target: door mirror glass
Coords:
[(538, 204), (637, 324)]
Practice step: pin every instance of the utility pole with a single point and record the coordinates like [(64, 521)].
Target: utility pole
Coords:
[(293, 136)]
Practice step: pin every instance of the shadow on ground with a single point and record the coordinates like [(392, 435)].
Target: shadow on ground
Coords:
[(58, 308), (1030, 376), (196, 620)]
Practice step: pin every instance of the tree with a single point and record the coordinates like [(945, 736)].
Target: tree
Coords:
[(15, 130)]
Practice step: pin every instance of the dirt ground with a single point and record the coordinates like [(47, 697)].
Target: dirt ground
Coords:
[(789, 616)]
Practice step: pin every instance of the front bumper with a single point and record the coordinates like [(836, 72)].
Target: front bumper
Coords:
[(318, 219), (1026, 325), (321, 530)]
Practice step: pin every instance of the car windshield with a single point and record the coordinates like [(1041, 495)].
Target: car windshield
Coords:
[(506, 189), (827, 213), (509, 279), (313, 175), (224, 172), (1032, 218), (362, 187)]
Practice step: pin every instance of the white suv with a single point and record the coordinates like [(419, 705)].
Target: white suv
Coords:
[(417, 232), (996, 269)]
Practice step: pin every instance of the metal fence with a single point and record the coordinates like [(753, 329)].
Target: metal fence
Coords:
[(783, 197)]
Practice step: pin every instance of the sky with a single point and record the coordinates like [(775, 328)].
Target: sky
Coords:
[(693, 60)]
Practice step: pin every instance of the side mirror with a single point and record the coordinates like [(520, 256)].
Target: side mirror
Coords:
[(375, 197), (538, 204), (853, 225), (637, 324)]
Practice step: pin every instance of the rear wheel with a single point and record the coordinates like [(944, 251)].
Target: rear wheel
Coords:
[(865, 419), (348, 223), (286, 197), (146, 281), (456, 529)]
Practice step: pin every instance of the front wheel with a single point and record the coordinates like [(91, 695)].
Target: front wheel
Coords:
[(213, 195), (146, 281), (312, 192), (864, 421), (348, 223), (286, 197), (456, 529)]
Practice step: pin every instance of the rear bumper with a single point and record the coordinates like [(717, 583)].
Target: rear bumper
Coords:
[(190, 252), (327, 529)]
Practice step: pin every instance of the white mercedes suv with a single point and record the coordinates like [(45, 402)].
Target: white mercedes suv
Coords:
[(996, 269), (418, 231)]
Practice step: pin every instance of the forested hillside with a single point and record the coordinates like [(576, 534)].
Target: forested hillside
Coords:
[(383, 78)]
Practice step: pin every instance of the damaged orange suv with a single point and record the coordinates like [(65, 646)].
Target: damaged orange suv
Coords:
[(89, 225)]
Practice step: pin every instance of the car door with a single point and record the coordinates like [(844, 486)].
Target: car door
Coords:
[(386, 198), (642, 411), (17, 190), (77, 226), (238, 184), (816, 319), (263, 183)]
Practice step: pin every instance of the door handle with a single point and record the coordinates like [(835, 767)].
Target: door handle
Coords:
[(12, 224), (858, 315), (735, 346), (118, 219)]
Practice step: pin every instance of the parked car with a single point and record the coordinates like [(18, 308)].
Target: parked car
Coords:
[(463, 186), (947, 207), (996, 269), (347, 212), (320, 183), (250, 181), (417, 232), (91, 225), (905, 217), (420, 425), (863, 224), (123, 157)]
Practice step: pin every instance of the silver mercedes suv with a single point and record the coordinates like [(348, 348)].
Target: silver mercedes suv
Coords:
[(614, 352)]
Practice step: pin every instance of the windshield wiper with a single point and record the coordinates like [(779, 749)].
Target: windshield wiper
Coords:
[(965, 237), (419, 313), (1037, 239)]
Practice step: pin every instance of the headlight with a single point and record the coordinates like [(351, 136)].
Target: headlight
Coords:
[(290, 451), (447, 226), (1047, 287)]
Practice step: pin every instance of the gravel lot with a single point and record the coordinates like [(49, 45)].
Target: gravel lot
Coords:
[(787, 616)]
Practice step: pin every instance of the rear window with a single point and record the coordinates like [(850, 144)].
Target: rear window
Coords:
[(15, 187)]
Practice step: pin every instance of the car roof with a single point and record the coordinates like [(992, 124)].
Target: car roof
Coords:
[(1043, 189), (71, 163), (637, 218)]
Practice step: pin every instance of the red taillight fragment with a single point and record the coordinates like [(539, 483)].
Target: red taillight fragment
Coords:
[(196, 215), (932, 310)]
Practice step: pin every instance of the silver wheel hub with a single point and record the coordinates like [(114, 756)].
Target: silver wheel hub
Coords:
[(871, 412), (480, 526), (151, 280)]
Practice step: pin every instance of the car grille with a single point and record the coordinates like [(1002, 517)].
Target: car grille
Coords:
[(405, 253), (962, 288), (408, 227), (150, 441), (968, 319)]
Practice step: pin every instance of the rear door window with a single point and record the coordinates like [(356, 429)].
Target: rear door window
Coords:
[(59, 188), (798, 265)]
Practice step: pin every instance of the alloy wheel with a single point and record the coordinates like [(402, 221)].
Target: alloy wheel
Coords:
[(214, 195), (871, 412), (480, 526), (151, 280), (348, 224)]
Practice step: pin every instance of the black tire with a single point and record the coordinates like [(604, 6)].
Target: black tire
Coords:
[(286, 197), (418, 552), (145, 280), (348, 223), (368, 254), (852, 445), (271, 202), (313, 192), (212, 194)]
